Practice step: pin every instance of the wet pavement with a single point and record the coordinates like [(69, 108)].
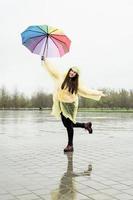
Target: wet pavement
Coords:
[(33, 165)]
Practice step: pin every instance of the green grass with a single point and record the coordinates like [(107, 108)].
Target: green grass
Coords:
[(105, 110)]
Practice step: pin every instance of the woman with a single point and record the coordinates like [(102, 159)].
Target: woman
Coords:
[(65, 99)]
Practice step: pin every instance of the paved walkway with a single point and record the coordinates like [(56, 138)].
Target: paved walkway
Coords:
[(34, 167)]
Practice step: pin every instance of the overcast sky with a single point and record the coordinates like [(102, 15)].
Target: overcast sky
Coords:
[(102, 42)]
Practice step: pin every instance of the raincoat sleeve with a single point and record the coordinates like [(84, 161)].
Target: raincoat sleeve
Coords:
[(54, 73), (89, 93)]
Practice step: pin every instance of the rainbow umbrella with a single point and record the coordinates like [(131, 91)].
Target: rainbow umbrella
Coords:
[(46, 41)]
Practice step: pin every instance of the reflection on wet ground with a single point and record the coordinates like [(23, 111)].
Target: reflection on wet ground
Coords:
[(67, 187), (33, 165)]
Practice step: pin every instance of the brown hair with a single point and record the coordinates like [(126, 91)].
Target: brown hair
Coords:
[(70, 83)]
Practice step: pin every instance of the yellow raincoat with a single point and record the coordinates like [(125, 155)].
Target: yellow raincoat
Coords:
[(63, 100)]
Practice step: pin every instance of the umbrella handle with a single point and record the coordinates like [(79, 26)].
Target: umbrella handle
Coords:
[(42, 58)]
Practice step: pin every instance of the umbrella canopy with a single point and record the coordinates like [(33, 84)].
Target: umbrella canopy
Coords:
[(46, 41)]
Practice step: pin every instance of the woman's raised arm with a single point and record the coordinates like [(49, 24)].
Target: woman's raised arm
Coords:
[(54, 73)]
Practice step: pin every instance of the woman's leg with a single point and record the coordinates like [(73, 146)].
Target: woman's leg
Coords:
[(69, 126), (87, 126), (70, 131), (78, 125), (68, 123)]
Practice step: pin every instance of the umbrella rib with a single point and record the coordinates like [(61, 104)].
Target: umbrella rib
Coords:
[(33, 31), (55, 44), (37, 44), (41, 29), (53, 31), (58, 34), (57, 39), (47, 47), (34, 37)]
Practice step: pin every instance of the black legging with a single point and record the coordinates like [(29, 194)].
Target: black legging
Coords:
[(69, 126)]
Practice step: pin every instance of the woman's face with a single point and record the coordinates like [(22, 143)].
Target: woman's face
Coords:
[(72, 73)]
